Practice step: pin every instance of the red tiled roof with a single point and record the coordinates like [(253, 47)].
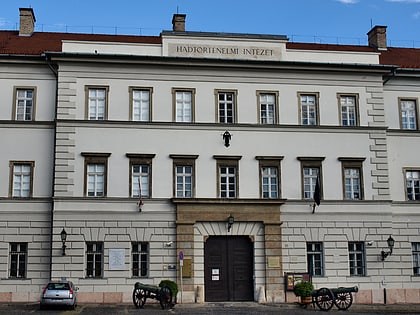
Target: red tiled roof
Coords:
[(40, 42), (401, 57)]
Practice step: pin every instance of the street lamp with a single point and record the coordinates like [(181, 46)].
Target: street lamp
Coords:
[(63, 235), (390, 241), (231, 219)]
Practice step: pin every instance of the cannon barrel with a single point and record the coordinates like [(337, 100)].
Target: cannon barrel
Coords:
[(150, 288), (345, 290)]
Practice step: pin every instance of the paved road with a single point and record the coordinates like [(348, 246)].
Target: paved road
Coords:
[(207, 309)]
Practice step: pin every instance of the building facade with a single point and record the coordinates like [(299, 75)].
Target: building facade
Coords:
[(208, 147)]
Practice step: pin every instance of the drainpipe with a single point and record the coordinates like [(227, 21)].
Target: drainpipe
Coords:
[(55, 72)]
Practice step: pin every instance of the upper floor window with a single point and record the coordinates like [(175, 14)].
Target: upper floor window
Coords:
[(408, 114), (311, 173), (308, 106), (140, 259), (228, 176), (269, 177), (352, 178), (183, 104), (412, 178), (94, 259), (184, 175), (357, 259), (226, 106), (18, 260), (21, 179), (96, 169), (97, 102), (348, 110), (267, 104), (415, 247), (315, 258), (140, 103), (140, 174), (24, 104)]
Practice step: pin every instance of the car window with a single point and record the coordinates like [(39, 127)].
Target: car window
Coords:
[(58, 286)]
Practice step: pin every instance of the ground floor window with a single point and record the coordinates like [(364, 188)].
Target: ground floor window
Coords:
[(416, 258), (357, 259), (18, 254), (94, 259), (315, 258), (140, 259)]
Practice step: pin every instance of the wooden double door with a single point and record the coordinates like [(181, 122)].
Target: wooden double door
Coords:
[(229, 268)]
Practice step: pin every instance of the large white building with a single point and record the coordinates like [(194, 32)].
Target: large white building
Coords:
[(224, 136)]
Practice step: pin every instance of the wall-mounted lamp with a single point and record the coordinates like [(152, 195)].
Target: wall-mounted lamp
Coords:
[(226, 137), (231, 219), (63, 235), (169, 244), (390, 241)]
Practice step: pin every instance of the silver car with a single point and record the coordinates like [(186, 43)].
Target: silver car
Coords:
[(59, 293)]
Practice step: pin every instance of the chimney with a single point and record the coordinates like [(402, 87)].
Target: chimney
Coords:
[(27, 21), (178, 22), (377, 37)]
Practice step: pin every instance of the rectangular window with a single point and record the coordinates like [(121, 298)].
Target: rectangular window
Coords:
[(140, 103), (140, 259), (226, 106), (21, 179), (348, 110), (352, 178), (267, 107), (96, 169), (94, 259), (311, 172), (227, 181), (97, 99), (416, 258), (308, 109), (310, 175), (18, 260), (183, 105), (270, 186), (408, 114), (228, 176), (184, 175), (315, 259), (352, 183), (140, 180), (24, 104), (412, 184), (269, 176), (357, 259), (96, 180), (140, 175)]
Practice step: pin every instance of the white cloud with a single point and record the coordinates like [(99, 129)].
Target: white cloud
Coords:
[(3, 22), (348, 1)]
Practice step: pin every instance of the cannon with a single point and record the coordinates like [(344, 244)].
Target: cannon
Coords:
[(341, 297), (142, 292)]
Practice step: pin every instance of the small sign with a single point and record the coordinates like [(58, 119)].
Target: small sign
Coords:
[(116, 259), (181, 255)]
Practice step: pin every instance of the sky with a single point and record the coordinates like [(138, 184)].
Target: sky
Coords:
[(319, 21)]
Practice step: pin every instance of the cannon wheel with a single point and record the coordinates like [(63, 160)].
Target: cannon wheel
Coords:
[(139, 297), (324, 298), (343, 300), (165, 297)]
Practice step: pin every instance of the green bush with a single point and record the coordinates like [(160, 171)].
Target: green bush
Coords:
[(171, 285), (303, 288)]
